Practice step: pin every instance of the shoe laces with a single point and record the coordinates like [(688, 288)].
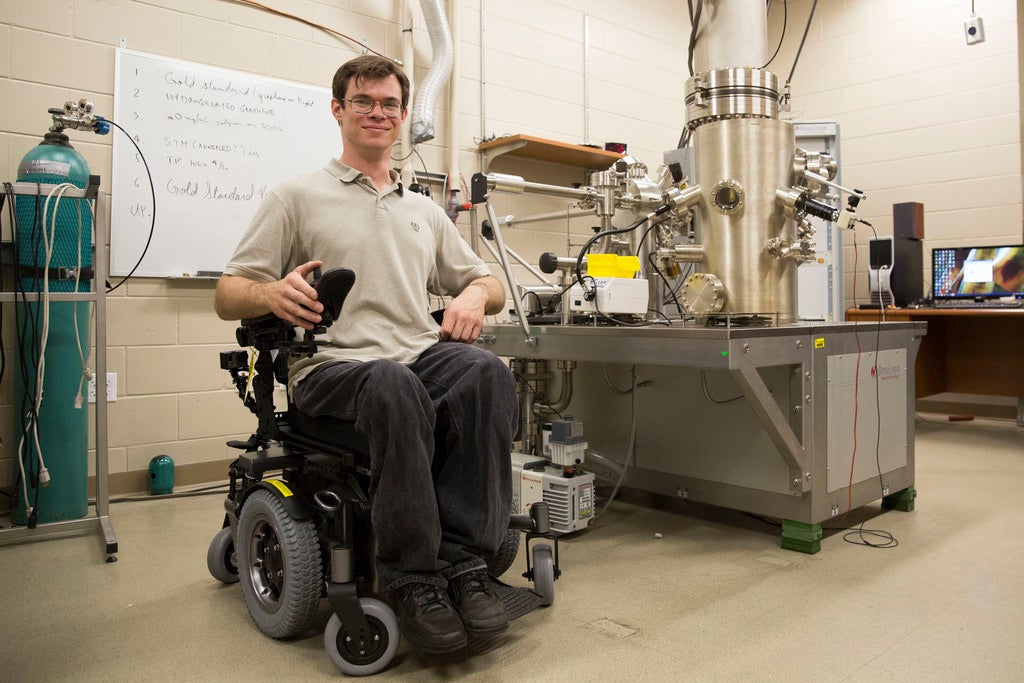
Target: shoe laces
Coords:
[(429, 597), (477, 582)]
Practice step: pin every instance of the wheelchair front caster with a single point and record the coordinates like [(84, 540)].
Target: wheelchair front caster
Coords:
[(544, 573), (363, 654), (220, 558)]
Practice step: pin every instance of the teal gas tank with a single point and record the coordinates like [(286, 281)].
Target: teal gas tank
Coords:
[(52, 237)]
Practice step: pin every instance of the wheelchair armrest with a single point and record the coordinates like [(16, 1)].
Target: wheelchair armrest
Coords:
[(332, 289), (266, 327)]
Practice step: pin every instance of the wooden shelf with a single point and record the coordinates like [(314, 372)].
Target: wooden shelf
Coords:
[(541, 149)]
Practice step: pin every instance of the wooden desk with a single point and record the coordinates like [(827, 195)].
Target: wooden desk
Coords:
[(966, 351)]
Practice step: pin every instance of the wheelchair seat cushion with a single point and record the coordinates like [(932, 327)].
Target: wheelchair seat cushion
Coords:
[(332, 431)]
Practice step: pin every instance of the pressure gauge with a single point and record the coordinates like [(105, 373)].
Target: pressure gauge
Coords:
[(703, 294)]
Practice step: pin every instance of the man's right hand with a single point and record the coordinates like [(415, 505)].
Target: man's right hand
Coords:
[(291, 298)]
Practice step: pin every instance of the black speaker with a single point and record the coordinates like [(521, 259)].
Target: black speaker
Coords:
[(908, 271)]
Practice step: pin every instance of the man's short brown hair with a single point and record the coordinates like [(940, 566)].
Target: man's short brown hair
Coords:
[(368, 68)]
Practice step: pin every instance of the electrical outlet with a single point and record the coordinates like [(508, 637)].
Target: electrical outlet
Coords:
[(111, 388), (974, 31)]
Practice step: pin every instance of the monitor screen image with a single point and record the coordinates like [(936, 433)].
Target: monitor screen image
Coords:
[(978, 272)]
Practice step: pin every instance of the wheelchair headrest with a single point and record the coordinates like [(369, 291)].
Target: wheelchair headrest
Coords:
[(331, 289)]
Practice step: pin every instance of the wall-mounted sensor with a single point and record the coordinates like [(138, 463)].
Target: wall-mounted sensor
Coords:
[(974, 31)]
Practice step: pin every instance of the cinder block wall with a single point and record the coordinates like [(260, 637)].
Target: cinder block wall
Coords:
[(923, 118)]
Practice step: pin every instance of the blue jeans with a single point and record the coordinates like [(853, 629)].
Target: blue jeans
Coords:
[(440, 432)]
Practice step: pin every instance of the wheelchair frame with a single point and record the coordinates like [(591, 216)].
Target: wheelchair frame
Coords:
[(319, 497)]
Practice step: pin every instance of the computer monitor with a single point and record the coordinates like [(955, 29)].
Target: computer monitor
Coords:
[(978, 272)]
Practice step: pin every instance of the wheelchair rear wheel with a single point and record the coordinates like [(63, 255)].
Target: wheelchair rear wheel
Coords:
[(499, 562), (279, 566), (363, 654), (220, 558)]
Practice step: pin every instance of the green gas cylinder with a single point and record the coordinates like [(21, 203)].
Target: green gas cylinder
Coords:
[(60, 422)]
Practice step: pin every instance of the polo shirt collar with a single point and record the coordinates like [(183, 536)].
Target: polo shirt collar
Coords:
[(347, 174)]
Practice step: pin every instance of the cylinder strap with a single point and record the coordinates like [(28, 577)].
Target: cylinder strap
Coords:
[(37, 273)]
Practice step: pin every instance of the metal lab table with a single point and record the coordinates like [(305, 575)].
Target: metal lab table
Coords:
[(760, 419)]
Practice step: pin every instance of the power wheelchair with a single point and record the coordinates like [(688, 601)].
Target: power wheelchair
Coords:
[(304, 533)]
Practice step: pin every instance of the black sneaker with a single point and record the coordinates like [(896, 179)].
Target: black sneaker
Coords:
[(477, 602), (427, 618)]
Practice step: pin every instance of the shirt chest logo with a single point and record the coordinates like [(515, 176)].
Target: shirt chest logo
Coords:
[(415, 226)]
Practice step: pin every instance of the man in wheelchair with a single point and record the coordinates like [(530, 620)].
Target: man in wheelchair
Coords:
[(437, 413)]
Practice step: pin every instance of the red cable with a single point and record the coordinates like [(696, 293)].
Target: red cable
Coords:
[(856, 384)]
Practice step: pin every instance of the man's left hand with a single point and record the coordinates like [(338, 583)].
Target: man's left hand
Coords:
[(464, 316)]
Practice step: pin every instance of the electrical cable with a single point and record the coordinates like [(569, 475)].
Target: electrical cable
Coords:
[(13, 223), (49, 242), (82, 352), (152, 194), (668, 286), (605, 233), (315, 25), (856, 386), (650, 260), (27, 357), (30, 430), (681, 281), (800, 49), (861, 534), (406, 156), (630, 449), (202, 491), (555, 300), (707, 392), (616, 321), (694, 23), (615, 389), (536, 395), (785, 20)]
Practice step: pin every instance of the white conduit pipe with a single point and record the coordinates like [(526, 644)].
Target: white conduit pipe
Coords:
[(440, 67), (453, 100), (409, 66)]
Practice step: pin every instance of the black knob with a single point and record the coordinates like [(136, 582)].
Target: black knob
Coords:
[(548, 262)]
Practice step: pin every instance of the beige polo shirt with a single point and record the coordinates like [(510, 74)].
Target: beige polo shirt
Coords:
[(402, 247)]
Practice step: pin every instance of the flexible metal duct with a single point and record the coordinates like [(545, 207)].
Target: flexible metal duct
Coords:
[(437, 75)]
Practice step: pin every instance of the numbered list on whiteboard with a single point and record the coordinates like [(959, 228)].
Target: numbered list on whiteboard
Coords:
[(215, 141)]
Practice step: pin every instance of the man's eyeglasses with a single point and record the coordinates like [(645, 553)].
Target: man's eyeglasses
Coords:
[(364, 105)]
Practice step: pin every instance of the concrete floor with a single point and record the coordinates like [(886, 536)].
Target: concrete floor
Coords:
[(713, 598)]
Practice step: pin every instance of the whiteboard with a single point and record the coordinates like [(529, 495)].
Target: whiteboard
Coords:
[(216, 141)]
